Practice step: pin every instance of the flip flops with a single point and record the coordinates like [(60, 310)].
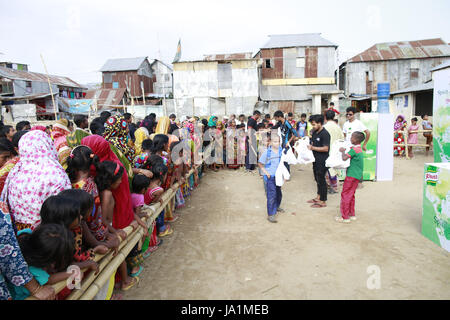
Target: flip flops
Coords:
[(134, 275), (312, 201), (134, 281), (166, 232), (318, 205)]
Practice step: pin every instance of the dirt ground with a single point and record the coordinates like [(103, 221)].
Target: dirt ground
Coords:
[(223, 246)]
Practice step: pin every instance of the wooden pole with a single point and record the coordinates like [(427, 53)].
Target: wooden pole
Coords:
[(50, 86)]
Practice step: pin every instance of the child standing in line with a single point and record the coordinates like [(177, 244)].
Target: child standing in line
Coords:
[(154, 194), (78, 169), (268, 163), (140, 186), (109, 178), (412, 137), (48, 251), (354, 175)]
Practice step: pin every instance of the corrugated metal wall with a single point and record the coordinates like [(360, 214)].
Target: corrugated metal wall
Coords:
[(397, 72)]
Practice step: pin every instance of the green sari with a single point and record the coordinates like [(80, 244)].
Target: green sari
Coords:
[(74, 139), (124, 160)]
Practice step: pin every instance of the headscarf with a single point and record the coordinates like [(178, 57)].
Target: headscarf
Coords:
[(37, 176), (163, 128), (140, 135), (74, 139), (123, 208), (211, 122), (399, 125), (163, 125), (42, 128), (116, 134), (59, 132)]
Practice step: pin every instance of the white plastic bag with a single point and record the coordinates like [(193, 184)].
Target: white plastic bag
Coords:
[(282, 172), (335, 157), (304, 155)]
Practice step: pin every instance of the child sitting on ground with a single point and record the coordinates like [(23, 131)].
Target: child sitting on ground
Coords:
[(48, 251), (353, 176), (412, 136), (268, 163)]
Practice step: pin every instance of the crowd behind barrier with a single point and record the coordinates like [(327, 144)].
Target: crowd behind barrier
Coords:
[(170, 156)]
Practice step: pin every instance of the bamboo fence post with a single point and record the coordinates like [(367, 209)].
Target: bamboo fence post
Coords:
[(406, 144), (50, 86)]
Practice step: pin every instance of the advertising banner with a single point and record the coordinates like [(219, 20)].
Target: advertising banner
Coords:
[(441, 115), (436, 204), (370, 120)]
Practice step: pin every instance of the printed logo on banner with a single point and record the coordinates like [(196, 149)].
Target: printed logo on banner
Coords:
[(431, 176)]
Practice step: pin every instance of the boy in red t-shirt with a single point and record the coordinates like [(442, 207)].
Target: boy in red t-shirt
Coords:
[(354, 175)]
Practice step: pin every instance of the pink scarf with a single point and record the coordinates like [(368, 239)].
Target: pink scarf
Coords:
[(37, 176)]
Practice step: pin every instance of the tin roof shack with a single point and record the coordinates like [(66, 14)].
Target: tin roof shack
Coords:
[(133, 74), (109, 99), (218, 85), (23, 87), (404, 64), (298, 73), (162, 78)]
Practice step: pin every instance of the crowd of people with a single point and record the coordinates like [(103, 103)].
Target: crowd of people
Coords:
[(67, 194), (68, 190)]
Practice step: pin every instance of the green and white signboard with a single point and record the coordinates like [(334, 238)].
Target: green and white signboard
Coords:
[(436, 204), (370, 120), (441, 115)]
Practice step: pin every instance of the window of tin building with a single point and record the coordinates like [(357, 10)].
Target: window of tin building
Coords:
[(414, 73), (268, 63)]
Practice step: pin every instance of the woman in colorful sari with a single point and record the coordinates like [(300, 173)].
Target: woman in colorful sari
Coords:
[(399, 125), (60, 131), (116, 133), (36, 176), (81, 131), (145, 130)]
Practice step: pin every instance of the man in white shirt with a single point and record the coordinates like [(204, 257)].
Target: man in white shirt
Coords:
[(352, 124)]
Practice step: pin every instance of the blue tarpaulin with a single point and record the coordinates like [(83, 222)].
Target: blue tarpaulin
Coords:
[(76, 106)]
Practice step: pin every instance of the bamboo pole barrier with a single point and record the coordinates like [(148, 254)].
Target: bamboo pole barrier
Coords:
[(109, 264), (111, 268), (105, 260)]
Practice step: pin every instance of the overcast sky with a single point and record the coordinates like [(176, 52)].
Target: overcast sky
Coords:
[(77, 37)]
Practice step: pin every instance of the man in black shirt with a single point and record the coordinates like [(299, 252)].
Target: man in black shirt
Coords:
[(250, 145), (320, 146)]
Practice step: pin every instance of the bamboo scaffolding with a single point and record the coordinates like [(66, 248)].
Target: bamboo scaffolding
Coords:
[(108, 263)]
